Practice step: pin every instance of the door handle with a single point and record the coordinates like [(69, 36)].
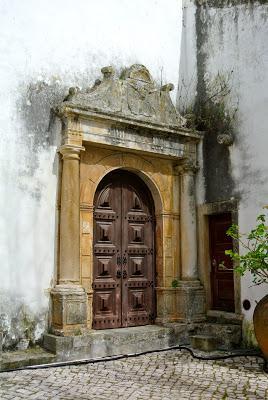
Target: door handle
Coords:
[(124, 274), (118, 273)]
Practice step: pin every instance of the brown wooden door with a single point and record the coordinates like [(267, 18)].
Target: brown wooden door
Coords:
[(222, 279), (123, 276)]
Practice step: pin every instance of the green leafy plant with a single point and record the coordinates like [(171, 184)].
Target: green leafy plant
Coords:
[(255, 258)]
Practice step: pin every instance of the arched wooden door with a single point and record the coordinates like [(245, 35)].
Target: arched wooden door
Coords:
[(124, 257)]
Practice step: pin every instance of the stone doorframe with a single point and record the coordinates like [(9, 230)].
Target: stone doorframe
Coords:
[(137, 129)]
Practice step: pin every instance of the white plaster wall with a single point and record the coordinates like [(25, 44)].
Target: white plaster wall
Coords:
[(236, 40), (188, 60), (47, 46)]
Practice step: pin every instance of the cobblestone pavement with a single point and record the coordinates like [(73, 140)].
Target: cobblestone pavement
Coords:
[(165, 375)]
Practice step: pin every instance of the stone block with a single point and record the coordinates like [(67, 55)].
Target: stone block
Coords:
[(204, 342), (57, 344), (229, 335), (181, 333), (166, 305), (69, 310), (190, 301), (223, 317)]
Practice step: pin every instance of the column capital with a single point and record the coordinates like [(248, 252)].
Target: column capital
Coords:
[(70, 151), (187, 167)]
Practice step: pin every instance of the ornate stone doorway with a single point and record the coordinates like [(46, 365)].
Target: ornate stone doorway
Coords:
[(124, 255), (126, 122)]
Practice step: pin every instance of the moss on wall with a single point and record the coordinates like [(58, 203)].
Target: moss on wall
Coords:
[(249, 339)]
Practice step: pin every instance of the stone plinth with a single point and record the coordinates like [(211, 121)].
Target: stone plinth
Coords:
[(185, 303), (190, 301), (69, 310), (166, 305)]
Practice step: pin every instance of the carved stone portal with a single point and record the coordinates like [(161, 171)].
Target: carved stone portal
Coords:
[(127, 122)]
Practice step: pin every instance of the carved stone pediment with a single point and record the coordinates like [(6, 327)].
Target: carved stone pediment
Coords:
[(133, 95)]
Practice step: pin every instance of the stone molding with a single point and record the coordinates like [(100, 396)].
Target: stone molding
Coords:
[(70, 152), (136, 139), (67, 289), (187, 167)]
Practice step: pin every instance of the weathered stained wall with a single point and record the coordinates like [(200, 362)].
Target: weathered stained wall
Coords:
[(46, 47), (229, 39)]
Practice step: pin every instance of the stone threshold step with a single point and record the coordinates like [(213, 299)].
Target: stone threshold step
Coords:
[(224, 317), (109, 342), (204, 342), (22, 358)]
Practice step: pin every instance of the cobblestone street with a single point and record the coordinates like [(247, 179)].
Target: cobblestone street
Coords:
[(165, 375)]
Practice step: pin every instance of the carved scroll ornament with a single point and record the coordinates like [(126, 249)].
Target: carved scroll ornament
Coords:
[(134, 95)]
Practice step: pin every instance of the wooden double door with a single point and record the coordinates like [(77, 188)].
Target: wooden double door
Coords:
[(124, 256)]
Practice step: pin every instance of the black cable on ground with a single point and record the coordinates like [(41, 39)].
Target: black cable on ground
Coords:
[(121, 356)]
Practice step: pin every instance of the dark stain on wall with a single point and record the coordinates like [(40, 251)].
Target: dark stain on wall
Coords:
[(229, 3), (41, 128), (219, 185), (18, 322)]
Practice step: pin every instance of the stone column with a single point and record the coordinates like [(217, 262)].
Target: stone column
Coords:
[(69, 271), (191, 296), (68, 297), (188, 223)]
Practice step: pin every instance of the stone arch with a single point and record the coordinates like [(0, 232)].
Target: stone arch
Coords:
[(126, 161)]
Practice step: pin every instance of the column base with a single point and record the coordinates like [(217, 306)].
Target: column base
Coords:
[(69, 310), (166, 305), (185, 303), (191, 301)]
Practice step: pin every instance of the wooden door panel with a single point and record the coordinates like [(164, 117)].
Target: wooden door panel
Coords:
[(123, 254), (137, 307), (136, 267), (138, 292), (222, 281), (107, 244)]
